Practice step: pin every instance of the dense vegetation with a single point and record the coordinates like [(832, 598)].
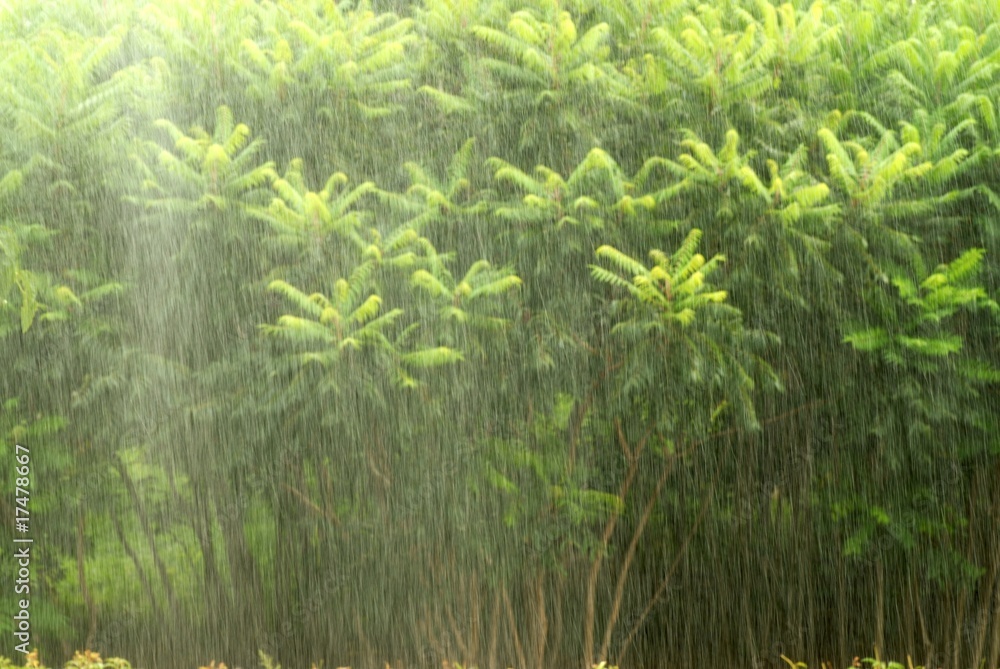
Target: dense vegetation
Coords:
[(526, 335)]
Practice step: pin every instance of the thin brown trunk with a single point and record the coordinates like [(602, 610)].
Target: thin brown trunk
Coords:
[(841, 604), (944, 631), (326, 488), (437, 624), (666, 581), (202, 524), (456, 630), (459, 640), (542, 630), (879, 607), (956, 653), (800, 603), (147, 529), (576, 425), (380, 466), (359, 628), (513, 629), (609, 528), (432, 637), (991, 592), (982, 627), (802, 556), (474, 635), (494, 625), (143, 578), (81, 574), (908, 622), (616, 602), (312, 506), (245, 581), (749, 629), (993, 662), (841, 563), (924, 633), (559, 629), (688, 642), (963, 595), (811, 611)]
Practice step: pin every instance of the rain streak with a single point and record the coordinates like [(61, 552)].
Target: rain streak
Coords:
[(500, 334)]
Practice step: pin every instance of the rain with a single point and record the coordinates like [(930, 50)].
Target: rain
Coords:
[(622, 334)]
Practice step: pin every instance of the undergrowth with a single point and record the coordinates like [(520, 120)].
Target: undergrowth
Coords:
[(92, 660)]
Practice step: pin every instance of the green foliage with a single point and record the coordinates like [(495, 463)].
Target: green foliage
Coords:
[(543, 297), (206, 172), (674, 287), (347, 321), (594, 191), (66, 98), (918, 327), (546, 499), (351, 56), (468, 300), (13, 237), (450, 197), (558, 80), (721, 67), (299, 216)]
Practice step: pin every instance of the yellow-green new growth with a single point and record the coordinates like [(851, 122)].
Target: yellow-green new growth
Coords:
[(674, 286), (212, 172)]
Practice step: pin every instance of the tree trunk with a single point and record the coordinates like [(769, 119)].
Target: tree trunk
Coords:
[(147, 529), (841, 604), (983, 623), (994, 659), (494, 626), (879, 608), (541, 620), (956, 651), (512, 621), (127, 547), (909, 639), (245, 582), (924, 633), (616, 601), (474, 606), (632, 456), (81, 573), (992, 590)]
